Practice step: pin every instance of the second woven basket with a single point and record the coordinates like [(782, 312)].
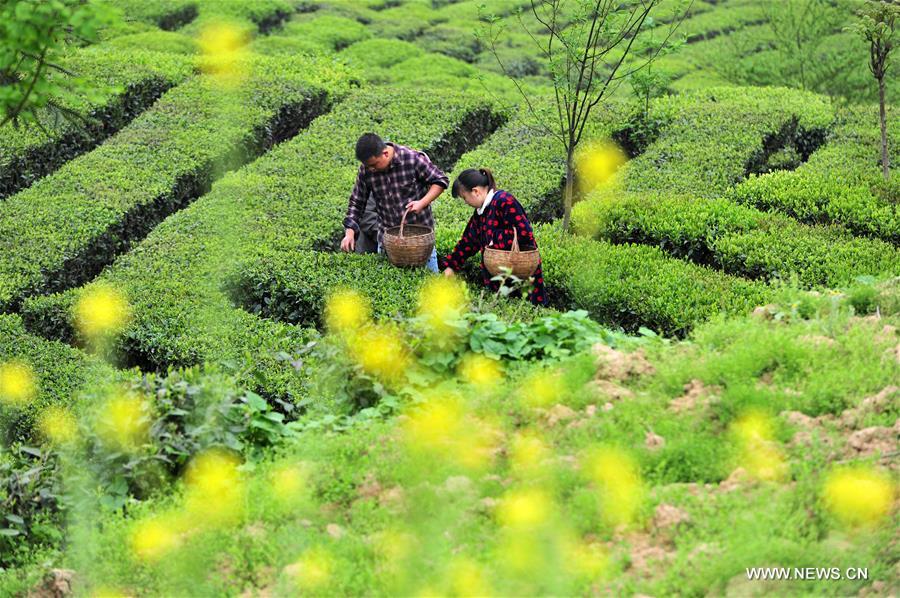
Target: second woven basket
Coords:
[(522, 263)]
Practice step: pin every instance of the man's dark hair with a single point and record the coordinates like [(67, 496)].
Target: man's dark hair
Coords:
[(368, 146)]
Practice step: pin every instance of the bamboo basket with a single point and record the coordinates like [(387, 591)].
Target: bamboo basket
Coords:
[(522, 263), (408, 244)]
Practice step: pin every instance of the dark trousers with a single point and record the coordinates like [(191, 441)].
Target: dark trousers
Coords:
[(367, 240)]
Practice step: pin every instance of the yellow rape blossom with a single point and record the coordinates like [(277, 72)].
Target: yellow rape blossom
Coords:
[(224, 53), (758, 452), (154, 538), (58, 425), (597, 163), (215, 490), (346, 312), (312, 570), (381, 353), (618, 482), (524, 509), (442, 302), (859, 496), (17, 383), (100, 312), (480, 371), (123, 421)]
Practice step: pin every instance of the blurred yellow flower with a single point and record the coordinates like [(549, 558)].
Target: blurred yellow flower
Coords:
[(288, 483), (224, 53), (589, 561), (17, 383), (753, 426), (123, 421), (524, 509), (215, 490), (381, 352), (480, 371), (542, 388), (100, 312), (859, 496), (442, 301), (527, 453), (597, 163), (468, 578), (58, 425), (619, 483), (154, 538), (475, 447), (758, 452), (108, 593), (392, 549), (346, 312), (441, 428), (522, 552), (313, 570), (435, 425)]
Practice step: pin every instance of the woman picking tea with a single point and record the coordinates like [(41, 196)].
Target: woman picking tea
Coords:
[(497, 214)]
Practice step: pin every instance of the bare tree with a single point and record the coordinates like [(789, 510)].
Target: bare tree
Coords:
[(877, 23), (587, 46)]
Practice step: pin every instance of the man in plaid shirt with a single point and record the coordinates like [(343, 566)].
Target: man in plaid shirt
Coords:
[(399, 178)]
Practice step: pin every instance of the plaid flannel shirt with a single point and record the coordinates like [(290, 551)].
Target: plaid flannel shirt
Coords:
[(407, 179)]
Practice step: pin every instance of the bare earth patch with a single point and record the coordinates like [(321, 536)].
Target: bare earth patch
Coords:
[(696, 395), (618, 365)]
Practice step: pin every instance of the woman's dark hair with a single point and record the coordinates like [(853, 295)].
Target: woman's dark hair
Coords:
[(470, 178), (368, 146)]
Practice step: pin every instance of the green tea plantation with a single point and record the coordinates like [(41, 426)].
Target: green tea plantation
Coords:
[(202, 393)]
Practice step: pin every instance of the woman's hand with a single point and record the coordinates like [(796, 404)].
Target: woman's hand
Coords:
[(448, 272)]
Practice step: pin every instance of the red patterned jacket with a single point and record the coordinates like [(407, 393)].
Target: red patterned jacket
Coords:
[(493, 228)]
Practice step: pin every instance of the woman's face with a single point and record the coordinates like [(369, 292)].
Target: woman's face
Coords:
[(475, 197)]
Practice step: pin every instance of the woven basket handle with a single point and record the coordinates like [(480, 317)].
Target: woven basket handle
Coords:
[(403, 220), (515, 243)]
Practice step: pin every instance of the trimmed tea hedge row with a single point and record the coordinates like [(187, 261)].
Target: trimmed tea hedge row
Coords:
[(724, 18), (130, 81), (59, 372), (710, 138), (262, 15), (840, 183), (373, 57), (64, 229), (636, 285), (714, 56), (291, 199), (738, 239), (293, 288), (170, 42), (165, 14), (328, 31), (406, 21)]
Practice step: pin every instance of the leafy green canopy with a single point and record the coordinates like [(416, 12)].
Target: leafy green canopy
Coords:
[(33, 36)]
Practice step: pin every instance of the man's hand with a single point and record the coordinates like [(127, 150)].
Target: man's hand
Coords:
[(417, 206), (348, 243), (448, 272)]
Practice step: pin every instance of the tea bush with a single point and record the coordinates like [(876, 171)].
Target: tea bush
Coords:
[(58, 371), (633, 285), (127, 83), (737, 239), (64, 229)]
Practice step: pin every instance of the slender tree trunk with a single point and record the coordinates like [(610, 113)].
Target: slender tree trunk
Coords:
[(884, 142), (570, 188)]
